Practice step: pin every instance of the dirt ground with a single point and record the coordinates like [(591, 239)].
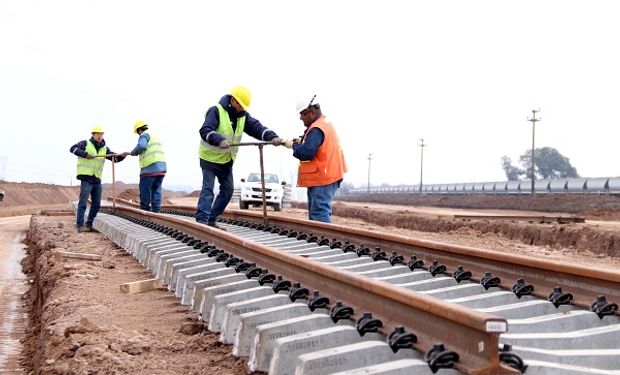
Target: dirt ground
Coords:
[(82, 324)]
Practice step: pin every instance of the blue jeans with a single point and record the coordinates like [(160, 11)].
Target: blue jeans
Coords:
[(320, 202), (208, 210), (150, 193), (86, 189)]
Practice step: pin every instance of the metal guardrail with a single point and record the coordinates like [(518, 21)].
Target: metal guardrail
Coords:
[(604, 185)]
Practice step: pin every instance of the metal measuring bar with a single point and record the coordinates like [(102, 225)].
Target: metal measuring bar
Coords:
[(262, 171)]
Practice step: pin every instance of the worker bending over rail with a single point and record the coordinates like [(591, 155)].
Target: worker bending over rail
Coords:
[(90, 159), (321, 160), (224, 125), (152, 167)]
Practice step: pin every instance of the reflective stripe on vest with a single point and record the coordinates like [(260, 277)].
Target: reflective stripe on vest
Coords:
[(153, 152), (215, 154), (94, 166), (328, 164)]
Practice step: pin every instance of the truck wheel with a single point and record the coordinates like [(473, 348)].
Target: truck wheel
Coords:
[(277, 206), (243, 205)]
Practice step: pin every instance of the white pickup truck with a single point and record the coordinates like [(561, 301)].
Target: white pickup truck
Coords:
[(251, 191)]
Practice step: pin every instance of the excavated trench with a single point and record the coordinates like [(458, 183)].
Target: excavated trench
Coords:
[(81, 323)]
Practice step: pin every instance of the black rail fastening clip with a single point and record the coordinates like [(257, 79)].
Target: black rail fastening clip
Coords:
[(362, 251), (436, 269), (401, 339), (323, 241), (488, 281), (396, 258), (253, 272), (558, 298), (335, 244), (340, 312), (522, 289), (511, 359), (232, 262), (368, 324), (298, 292), (280, 284), (460, 274), (266, 278), (438, 358), (378, 254), (415, 263), (244, 266), (602, 308), (317, 301)]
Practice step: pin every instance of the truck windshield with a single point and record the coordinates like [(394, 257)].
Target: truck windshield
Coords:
[(269, 178)]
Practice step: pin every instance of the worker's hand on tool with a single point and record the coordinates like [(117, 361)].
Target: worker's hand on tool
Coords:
[(89, 156), (287, 143), (124, 154), (296, 140), (277, 141), (224, 144)]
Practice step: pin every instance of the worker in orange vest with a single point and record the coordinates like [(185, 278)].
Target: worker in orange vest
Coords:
[(321, 160)]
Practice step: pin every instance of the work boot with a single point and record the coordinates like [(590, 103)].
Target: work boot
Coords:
[(83, 229), (90, 227)]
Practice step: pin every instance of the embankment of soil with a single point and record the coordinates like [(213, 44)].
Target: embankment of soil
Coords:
[(588, 205), (577, 236), (80, 322)]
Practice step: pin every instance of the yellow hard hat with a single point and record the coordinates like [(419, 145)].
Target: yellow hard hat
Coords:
[(97, 129), (242, 95), (138, 125)]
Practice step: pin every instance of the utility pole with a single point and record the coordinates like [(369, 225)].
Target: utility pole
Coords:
[(533, 120), (369, 159), (422, 145)]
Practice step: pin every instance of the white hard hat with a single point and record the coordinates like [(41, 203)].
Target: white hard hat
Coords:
[(304, 102)]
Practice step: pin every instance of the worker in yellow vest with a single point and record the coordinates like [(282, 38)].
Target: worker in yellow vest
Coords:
[(91, 155), (224, 125), (152, 167), (321, 160)]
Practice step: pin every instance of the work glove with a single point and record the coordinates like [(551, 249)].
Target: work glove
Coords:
[(224, 144), (277, 141), (287, 143), (89, 156), (296, 140)]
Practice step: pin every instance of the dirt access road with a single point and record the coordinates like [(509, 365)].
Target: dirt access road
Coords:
[(13, 284)]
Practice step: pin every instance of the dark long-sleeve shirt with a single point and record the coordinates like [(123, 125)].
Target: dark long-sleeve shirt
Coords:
[(208, 133), (307, 150), (79, 149)]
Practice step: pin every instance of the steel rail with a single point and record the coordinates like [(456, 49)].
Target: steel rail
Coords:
[(472, 334), (530, 218), (583, 282)]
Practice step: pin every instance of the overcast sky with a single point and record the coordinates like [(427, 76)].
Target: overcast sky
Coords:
[(463, 75)]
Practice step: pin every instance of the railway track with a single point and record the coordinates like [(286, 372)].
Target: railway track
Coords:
[(454, 320)]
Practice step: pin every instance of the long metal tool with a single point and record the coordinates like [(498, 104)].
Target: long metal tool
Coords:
[(113, 156), (262, 171)]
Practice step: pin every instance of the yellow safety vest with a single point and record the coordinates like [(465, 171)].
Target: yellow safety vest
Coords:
[(215, 154), (94, 166), (153, 152)]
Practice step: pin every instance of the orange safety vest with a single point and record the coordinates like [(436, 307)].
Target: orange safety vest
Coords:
[(328, 165)]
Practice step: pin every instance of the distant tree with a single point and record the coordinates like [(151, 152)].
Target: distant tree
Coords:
[(550, 164), (512, 172)]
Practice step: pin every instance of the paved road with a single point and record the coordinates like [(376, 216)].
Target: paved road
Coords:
[(13, 317)]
